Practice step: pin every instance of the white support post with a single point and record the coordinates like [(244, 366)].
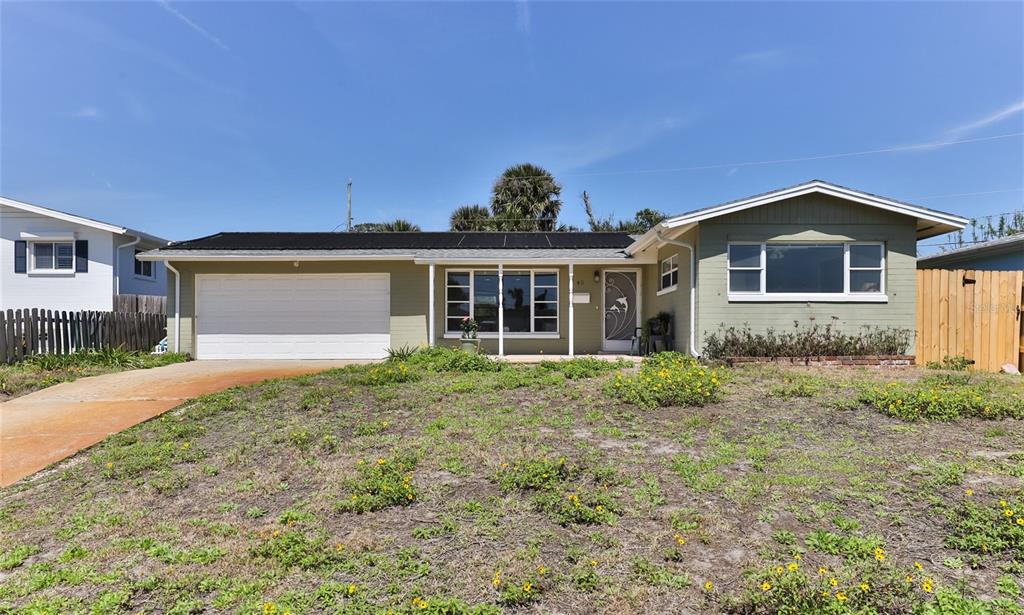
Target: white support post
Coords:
[(572, 310), (431, 331), (501, 310)]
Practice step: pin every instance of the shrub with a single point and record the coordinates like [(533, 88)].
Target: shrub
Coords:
[(956, 363), (402, 353), (668, 379), (941, 402), (389, 373), (578, 507), (582, 367), (441, 359), (540, 473), (997, 527), (812, 341), (380, 484)]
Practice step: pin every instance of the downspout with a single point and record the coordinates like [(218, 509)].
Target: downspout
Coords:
[(117, 264), (693, 289), (177, 306)]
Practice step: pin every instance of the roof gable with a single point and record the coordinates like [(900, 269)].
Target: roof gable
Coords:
[(80, 220), (930, 222)]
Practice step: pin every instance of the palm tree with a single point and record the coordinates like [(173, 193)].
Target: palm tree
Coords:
[(470, 218), (398, 225), (525, 198)]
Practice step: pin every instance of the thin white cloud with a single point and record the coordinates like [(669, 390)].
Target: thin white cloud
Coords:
[(764, 58), (609, 143), (191, 24), (988, 120), (523, 16), (87, 113)]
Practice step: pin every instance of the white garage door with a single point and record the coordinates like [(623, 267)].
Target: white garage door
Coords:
[(293, 316)]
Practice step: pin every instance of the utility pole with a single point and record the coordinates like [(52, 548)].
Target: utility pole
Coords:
[(350, 205)]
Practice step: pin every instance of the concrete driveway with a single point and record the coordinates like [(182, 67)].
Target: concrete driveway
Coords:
[(49, 425)]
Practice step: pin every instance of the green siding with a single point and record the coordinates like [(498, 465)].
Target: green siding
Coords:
[(675, 302), (807, 218)]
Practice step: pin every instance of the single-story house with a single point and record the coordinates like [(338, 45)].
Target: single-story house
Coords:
[(1002, 254), (54, 260), (815, 250)]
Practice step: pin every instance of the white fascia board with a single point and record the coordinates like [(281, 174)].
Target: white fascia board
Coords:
[(821, 188), (651, 237), (533, 261), (167, 256)]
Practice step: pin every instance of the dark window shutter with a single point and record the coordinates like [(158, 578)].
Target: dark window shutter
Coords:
[(81, 256), (20, 256)]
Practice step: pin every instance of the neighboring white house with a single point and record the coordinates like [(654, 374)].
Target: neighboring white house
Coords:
[(59, 261)]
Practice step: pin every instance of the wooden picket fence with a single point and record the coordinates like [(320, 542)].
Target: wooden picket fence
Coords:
[(974, 314), (151, 304), (28, 332)]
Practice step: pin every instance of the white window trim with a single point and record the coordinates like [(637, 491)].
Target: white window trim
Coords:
[(673, 267), (30, 255), (847, 296), (556, 334), (142, 276)]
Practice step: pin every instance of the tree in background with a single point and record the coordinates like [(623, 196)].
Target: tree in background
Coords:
[(642, 221), (1005, 225), (470, 218), (525, 198), (397, 225)]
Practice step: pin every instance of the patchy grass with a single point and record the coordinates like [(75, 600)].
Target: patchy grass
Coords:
[(44, 371), (462, 486)]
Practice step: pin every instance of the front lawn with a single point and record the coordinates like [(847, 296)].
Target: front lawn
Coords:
[(43, 371), (565, 488)]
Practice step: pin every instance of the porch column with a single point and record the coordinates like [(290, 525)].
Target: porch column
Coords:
[(572, 313), (501, 310), (430, 309)]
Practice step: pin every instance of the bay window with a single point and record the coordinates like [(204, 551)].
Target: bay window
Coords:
[(530, 301), (806, 271)]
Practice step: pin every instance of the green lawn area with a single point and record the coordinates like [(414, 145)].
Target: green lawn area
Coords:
[(47, 370), (404, 488)]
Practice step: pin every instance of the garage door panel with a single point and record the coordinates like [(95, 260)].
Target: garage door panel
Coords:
[(293, 316)]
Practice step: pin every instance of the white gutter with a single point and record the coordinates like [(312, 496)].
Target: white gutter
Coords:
[(693, 289), (177, 306), (117, 263)]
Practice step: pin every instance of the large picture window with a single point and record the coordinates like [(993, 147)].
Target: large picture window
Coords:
[(53, 256), (806, 271), (530, 302)]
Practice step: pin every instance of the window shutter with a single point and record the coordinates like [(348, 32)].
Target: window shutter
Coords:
[(20, 256), (81, 256)]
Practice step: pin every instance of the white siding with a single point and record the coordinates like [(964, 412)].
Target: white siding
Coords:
[(72, 291)]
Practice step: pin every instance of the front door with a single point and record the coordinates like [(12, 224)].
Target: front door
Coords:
[(621, 309)]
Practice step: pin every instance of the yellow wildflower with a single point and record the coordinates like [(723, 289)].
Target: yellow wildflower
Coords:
[(527, 587), (352, 589), (927, 586), (793, 566), (864, 587), (766, 586), (708, 586), (840, 596)]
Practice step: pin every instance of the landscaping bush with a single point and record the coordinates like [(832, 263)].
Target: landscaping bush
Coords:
[(668, 379), (582, 367), (939, 400), (380, 484), (997, 527), (441, 359), (392, 372), (812, 341)]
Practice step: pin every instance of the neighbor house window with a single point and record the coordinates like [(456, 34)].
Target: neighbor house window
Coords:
[(530, 305), (669, 273), (143, 269), (812, 270), (53, 256)]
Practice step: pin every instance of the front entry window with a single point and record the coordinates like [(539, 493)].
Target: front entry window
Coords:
[(530, 300)]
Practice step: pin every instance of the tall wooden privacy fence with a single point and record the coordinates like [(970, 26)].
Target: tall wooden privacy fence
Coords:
[(151, 304), (28, 332), (974, 314)]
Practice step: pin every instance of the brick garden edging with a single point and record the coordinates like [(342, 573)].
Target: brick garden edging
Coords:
[(890, 360)]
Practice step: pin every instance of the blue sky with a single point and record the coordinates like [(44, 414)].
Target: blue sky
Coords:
[(187, 118)]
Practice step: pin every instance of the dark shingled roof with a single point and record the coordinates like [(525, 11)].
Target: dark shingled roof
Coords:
[(409, 240)]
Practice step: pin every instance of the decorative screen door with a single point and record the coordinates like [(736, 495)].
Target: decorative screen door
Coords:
[(621, 312)]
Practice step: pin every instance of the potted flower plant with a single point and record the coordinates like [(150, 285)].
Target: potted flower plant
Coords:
[(469, 341)]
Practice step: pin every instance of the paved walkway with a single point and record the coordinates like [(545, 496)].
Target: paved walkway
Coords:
[(46, 426)]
